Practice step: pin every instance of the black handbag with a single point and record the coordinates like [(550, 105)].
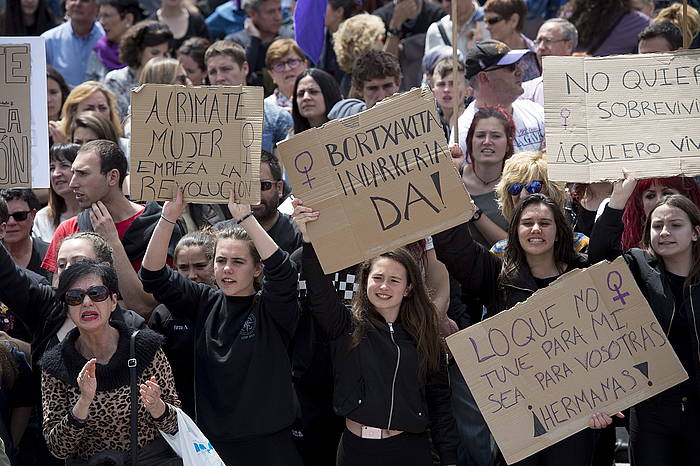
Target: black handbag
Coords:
[(157, 453)]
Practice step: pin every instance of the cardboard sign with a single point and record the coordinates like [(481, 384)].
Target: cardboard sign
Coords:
[(205, 139), (381, 179), (15, 118), (640, 112), (587, 343)]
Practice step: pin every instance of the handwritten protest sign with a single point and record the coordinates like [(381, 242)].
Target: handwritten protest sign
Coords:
[(381, 179), (15, 118), (640, 112), (205, 139), (587, 343)]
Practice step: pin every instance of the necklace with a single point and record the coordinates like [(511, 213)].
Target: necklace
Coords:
[(486, 183)]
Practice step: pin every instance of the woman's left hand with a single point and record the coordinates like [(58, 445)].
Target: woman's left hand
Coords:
[(601, 420), (150, 397), (238, 211)]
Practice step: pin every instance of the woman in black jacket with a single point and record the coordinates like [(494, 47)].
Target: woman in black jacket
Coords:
[(663, 429), (390, 375), (540, 249), (244, 400)]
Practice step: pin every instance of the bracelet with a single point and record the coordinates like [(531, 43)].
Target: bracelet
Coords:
[(169, 221), (244, 217)]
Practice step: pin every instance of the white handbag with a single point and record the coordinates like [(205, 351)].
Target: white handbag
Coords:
[(191, 444)]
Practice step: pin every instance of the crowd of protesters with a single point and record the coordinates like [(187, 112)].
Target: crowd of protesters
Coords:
[(277, 363)]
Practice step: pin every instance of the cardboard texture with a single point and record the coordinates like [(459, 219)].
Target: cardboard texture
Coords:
[(640, 112), (15, 116), (205, 139), (587, 343), (381, 179), (39, 112)]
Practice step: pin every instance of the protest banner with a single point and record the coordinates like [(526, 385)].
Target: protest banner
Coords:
[(381, 179), (35, 109), (586, 343), (15, 120), (640, 112), (204, 139)]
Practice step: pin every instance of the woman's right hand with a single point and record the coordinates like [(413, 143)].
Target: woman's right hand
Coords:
[(56, 134), (301, 216), (87, 383), (173, 209), (457, 155), (622, 190)]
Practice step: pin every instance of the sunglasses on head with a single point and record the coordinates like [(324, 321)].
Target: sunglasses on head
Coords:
[(532, 187), (21, 216), (266, 185), (97, 294)]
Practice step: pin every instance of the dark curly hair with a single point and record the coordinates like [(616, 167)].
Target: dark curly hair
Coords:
[(374, 64), (140, 35), (594, 19)]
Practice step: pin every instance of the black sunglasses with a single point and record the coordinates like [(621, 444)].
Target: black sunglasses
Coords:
[(97, 294), (493, 20), (21, 216), (266, 185), (532, 187)]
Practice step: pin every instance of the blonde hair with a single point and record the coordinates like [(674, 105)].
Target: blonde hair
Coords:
[(83, 92), (524, 167), (355, 36), (159, 71), (674, 14)]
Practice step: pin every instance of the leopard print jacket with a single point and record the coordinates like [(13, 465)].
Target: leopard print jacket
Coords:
[(107, 426)]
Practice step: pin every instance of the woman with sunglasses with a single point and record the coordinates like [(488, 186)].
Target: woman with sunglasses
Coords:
[(505, 20), (540, 249), (666, 266), (284, 61), (245, 401), (86, 379), (525, 174)]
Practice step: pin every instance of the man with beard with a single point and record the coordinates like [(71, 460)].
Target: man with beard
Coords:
[(278, 225)]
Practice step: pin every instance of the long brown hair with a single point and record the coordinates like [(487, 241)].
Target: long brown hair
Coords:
[(691, 210), (515, 255), (418, 314)]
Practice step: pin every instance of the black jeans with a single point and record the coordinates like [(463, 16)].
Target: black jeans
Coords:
[(404, 449), (276, 449), (576, 450), (665, 430)]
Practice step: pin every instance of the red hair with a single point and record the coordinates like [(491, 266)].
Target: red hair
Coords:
[(498, 113), (633, 219)]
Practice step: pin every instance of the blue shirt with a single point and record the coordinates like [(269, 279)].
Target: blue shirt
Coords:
[(68, 52), (277, 122)]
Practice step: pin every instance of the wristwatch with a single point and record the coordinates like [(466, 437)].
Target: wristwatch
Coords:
[(477, 215)]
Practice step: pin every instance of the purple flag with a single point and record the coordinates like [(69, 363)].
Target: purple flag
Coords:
[(309, 26)]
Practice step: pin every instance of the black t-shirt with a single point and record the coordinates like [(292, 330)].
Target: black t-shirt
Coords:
[(679, 333), (429, 13)]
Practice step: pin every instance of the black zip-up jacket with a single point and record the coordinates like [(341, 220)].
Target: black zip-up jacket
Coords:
[(243, 375), (477, 270), (376, 383), (650, 275)]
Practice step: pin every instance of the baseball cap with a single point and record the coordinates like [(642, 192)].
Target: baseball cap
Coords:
[(489, 53)]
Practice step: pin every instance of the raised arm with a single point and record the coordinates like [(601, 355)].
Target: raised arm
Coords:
[(475, 268), (606, 237), (322, 298), (242, 214)]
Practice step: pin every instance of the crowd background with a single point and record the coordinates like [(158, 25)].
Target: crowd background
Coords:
[(277, 363)]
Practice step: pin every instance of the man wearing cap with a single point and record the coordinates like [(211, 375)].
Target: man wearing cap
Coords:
[(494, 74)]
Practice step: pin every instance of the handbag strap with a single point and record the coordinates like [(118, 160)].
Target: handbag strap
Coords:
[(134, 440)]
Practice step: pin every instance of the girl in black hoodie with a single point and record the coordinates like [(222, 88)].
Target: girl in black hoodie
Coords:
[(244, 400), (390, 372)]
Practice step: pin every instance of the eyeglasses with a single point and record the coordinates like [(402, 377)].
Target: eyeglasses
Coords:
[(266, 185), (532, 187), (21, 216), (548, 42), (494, 20), (97, 294), (292, 63)]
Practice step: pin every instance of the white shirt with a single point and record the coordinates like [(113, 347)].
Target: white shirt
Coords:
[(433, 38), (529, 125), (534, 91)]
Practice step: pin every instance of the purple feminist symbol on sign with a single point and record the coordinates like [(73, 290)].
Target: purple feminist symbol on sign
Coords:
[(615, 285), (565, 114), (307, 163)]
